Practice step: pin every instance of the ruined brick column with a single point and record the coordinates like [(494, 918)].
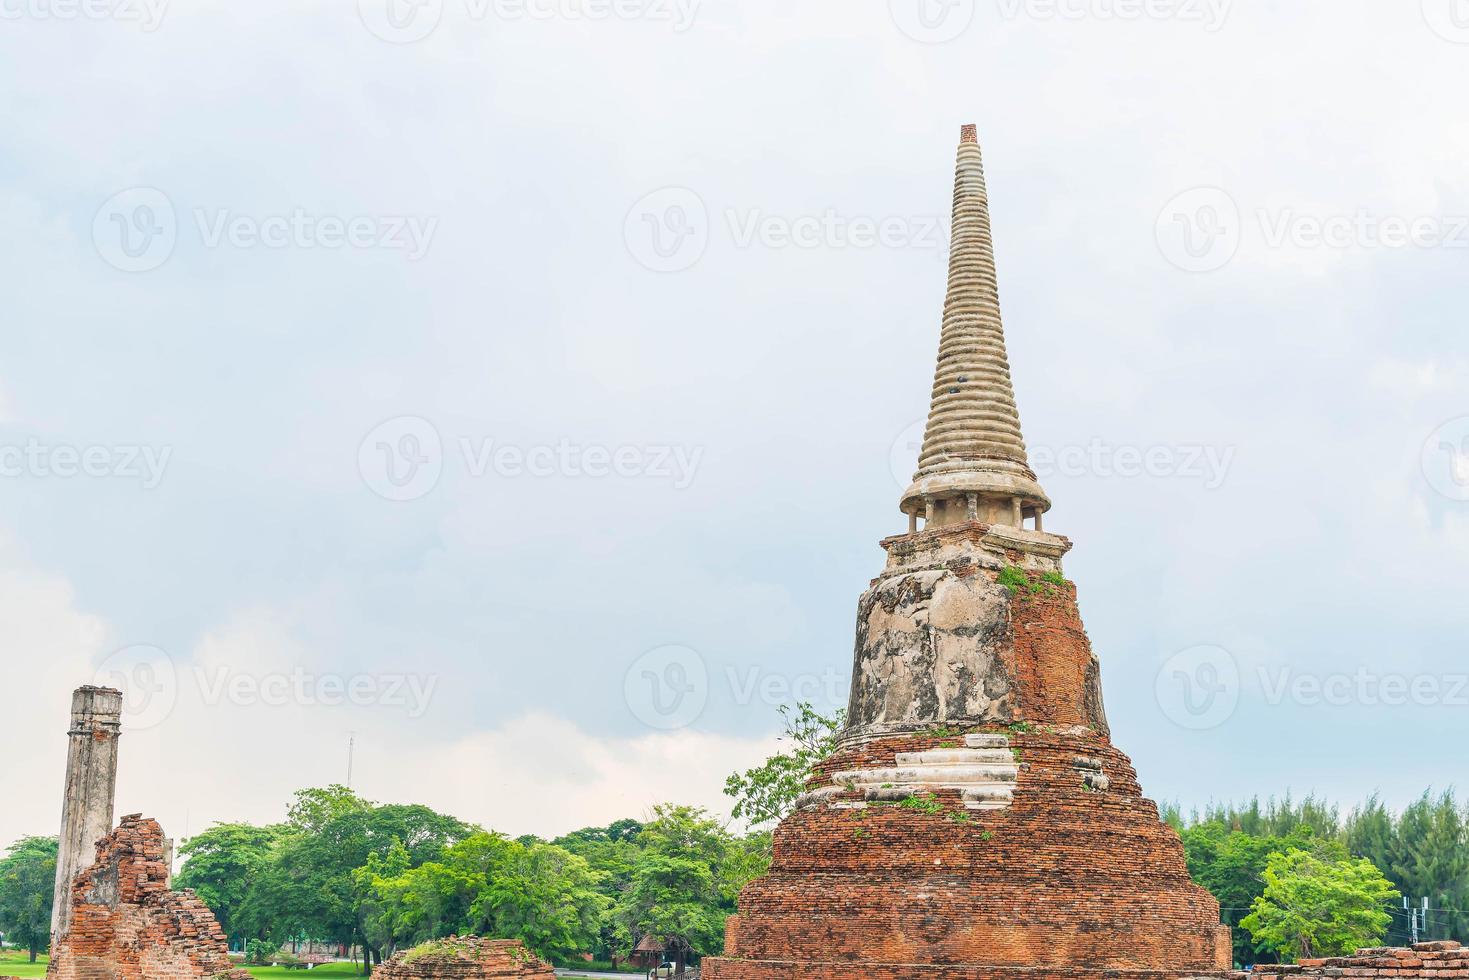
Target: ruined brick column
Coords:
[(91, 783), (975, 822)]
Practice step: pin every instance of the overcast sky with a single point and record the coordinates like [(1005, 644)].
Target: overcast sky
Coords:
[(524, 385)]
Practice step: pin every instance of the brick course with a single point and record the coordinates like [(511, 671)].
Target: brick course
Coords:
[(1442, 960)]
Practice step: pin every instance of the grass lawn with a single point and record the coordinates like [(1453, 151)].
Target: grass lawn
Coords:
[(13, 964)]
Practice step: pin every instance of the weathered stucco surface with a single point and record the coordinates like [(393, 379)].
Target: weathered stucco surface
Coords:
[(932, 647)]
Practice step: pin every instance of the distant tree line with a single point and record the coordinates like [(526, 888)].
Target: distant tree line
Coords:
[(1266, 862)]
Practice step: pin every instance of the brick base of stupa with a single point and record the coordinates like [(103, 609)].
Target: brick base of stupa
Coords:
[(1076, 877), (1018, 847)]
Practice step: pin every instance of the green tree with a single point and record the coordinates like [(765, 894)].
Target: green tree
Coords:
[(310, 887), (491, 885), (680, 892), (27, 891), (766, 794), (1313, 907), (1231, 865), (222, 864)]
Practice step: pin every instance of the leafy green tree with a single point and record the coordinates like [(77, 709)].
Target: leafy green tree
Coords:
[(612, 852), (222, 864), (27, 891), (491, 885), (680, 891), (1231, 865), (310, 887), (766, 794), (1316, 907)]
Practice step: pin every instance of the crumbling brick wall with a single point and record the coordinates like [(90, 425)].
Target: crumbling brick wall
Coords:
[(467, 958), (126, 924), (1433, 961)]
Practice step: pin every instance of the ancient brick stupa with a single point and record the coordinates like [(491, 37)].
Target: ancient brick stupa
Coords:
[(976, 822)]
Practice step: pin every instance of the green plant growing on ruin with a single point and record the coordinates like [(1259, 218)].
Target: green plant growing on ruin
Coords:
[(1019, 755), (1054, 578), (926, 803), (943, 731), (1012, 578), (1021, 728), (948, 745), (960, 817), (986, 835)]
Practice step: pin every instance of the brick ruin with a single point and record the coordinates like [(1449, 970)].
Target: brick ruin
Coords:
[(127, 925), (1436, 961), (467, 958), (975, 822)]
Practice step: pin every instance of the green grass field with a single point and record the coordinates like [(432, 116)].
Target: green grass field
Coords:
[(15, 965)]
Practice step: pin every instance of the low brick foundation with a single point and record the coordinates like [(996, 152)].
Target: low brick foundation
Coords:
[(1438, 961), (467, 958), (126, 924)]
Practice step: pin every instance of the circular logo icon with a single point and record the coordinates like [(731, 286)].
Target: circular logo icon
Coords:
[(135, 230), (1448, 18), (148, 681), (667, 230), (1200, 230), (401, 459), (667, 688), (1198, 688), (903, 454), (401, 21), (1446, 459), (932, 21)]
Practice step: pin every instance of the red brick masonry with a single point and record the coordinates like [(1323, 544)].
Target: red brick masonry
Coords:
[(1076, 879), (468, 958), (127, 925), (1440, 961)]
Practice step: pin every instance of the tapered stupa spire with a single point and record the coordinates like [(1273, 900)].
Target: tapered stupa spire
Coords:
[(973, 465)]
